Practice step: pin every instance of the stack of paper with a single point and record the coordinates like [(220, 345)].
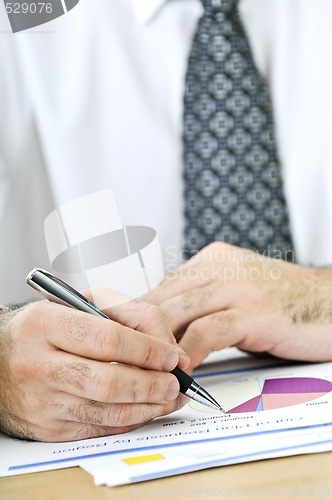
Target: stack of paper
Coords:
[(272, 409)]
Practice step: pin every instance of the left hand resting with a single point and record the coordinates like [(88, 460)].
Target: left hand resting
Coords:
[(227, 296)]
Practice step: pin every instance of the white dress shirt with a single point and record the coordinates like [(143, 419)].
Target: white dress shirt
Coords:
[(93, 99)]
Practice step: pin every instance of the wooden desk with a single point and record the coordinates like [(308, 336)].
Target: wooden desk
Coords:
[(306, 477)]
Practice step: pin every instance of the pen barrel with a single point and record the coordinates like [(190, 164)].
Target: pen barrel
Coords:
[(184, 379)]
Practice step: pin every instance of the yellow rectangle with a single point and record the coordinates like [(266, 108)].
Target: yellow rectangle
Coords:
[(142, 459)]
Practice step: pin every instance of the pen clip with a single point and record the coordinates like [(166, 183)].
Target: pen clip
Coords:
[(53, 288)]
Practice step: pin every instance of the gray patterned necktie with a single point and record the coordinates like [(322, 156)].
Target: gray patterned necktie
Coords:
[(233, 185)]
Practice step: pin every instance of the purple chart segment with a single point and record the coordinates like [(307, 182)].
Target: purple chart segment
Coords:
[(296, 385), (283, 392)]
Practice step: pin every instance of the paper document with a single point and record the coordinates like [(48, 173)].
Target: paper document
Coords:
[(272, 409)]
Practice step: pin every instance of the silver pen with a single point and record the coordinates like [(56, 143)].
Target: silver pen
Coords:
[(56, 290)]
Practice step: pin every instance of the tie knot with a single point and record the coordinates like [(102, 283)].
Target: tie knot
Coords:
[(219, 5)]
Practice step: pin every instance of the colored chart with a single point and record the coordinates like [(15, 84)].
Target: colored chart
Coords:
[(266, 394)]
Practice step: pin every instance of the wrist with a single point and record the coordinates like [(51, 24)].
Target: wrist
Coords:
[(6, 311), (4, 314), (13, 307)]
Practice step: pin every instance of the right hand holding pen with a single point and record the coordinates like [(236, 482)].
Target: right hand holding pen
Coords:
[(67, 375)]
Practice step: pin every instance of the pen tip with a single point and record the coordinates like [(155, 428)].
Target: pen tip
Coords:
[(220, 408)]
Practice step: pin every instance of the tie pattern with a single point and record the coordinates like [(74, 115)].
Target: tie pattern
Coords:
[(233, 185)]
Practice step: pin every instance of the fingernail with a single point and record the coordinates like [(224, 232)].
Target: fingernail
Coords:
[(180, 350), (172, 390), (170, 361), (184, 361)]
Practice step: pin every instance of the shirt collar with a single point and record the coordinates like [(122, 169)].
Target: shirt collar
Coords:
[(145, 10)]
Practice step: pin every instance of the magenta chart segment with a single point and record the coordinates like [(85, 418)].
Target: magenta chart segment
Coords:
[(283, 392)]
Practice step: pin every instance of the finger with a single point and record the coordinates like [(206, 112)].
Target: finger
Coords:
[(70, 419), (147, 318), (198, 302), (176, 282), (134, 313), (61, 431), (114, 415), (212, 332), (105, 382), (53, 430), (206, 266), (95, 338), (138, 315)]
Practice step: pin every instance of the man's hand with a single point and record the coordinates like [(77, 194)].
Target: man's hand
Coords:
[(67, 375), (226, 296)]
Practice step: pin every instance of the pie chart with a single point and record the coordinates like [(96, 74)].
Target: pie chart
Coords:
[(253, 395)]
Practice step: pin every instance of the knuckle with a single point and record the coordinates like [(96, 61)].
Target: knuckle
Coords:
[(225, 329), (109, 342), (221, 320), (197, 330), (86, 413), (154, 391), (24, 368), (155, 314), (93, 430), (148, 355), (224, 322), (157, 320), (106, 343), (55, 433), (169, 276), (168, 308), (152, 411), (27, 319), (25, 326), (193, 298), (115, 338), (134, 390), (76, 374), (215, 245), (105, 388), (21, 369), (119, 415), (33, 405)]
